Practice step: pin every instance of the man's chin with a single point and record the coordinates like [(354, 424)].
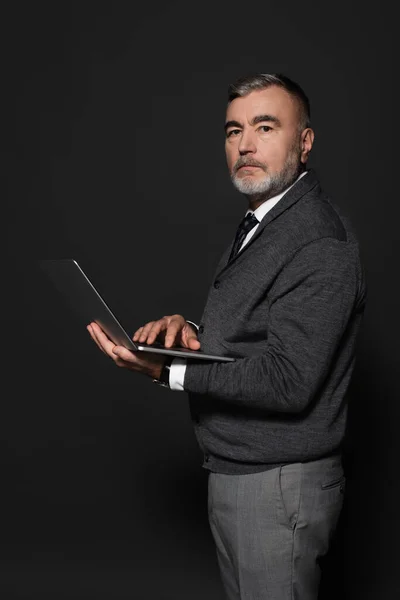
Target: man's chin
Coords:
[(250, 184)]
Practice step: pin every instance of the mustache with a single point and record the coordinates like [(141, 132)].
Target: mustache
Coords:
[(244, 161)]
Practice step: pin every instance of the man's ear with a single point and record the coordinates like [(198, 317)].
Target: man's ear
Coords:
[(307, 140)]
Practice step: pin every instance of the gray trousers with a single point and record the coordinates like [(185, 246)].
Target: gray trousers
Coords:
[(271, 528)]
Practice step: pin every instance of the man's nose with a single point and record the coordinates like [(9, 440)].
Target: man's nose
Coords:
[(247, 143)]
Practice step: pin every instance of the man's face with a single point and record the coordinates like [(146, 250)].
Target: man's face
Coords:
[(265, 147)]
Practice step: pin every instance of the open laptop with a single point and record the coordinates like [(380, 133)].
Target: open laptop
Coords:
[(69, 278)]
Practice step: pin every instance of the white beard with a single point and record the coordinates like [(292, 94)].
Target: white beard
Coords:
[(273, 184)]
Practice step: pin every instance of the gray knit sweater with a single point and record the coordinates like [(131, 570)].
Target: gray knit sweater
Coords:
[(288, 307)]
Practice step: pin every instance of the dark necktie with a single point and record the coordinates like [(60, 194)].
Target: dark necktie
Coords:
[(245, 226)]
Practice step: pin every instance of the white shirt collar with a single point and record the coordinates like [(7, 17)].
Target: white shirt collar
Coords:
[(266, 206)]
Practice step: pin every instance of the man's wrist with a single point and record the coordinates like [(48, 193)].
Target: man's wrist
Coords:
[(162, 377), (193, 325)]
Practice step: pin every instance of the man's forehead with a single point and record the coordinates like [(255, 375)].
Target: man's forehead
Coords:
[(272, 101)]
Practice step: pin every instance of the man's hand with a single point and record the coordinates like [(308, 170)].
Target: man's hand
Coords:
[(149, 364), (172, 330)]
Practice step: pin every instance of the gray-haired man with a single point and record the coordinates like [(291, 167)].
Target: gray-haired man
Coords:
[(287, 303)]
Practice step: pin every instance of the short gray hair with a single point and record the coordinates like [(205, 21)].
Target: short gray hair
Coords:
[(260, 81)]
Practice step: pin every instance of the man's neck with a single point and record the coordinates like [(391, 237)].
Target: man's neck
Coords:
[(255, 200)]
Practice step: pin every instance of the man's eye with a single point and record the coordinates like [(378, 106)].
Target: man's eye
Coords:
[(265, 128), (232, 132)]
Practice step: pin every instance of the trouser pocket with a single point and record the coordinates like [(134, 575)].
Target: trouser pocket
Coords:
[(288, 485)]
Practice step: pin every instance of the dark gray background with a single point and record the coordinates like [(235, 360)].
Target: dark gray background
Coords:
[(112, 152)]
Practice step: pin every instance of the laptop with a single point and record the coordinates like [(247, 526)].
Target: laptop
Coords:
[(71, 281)]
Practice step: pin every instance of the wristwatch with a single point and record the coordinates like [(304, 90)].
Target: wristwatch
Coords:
[(164, 377)]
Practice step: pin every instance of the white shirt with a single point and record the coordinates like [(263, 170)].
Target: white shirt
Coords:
[(178, 365)]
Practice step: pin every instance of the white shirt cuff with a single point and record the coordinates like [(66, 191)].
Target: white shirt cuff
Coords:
[(177, 374)]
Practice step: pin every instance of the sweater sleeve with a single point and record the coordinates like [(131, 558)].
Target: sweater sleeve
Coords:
[(310, 306)]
